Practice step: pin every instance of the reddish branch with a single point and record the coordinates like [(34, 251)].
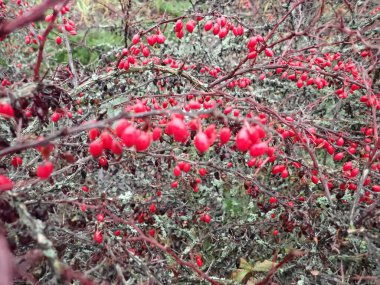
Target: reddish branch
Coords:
[(42, 45), (288, 258), (167, 250), (34, 15), (69, 274), (84, 127), (142, 33), (271, 33), (6, 262)]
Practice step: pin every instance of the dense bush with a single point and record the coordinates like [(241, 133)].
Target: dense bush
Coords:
[(161, 142)]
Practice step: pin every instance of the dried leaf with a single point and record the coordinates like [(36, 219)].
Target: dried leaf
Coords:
[(239, 274), (314, 272), (264, 266)]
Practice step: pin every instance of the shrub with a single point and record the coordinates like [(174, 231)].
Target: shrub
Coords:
[(213, 147)]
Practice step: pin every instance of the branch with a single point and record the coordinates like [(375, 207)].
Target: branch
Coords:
[(282, 20), (140, 69), (42, 44), (284, 66), (100, 124), (70, 56), (167, 250), (288, 258), (35, 14), (6, 262), (37, 228)]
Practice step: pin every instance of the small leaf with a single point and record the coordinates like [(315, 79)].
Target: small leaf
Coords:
[(239, 274), (314, 272), (245, 265), (251, 281), (264, 266)]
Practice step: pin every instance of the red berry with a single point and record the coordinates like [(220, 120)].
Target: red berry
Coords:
[(178, 26), (216, 29), (55, 117), (206, 218), (143, 141), (258, 149), (156, 133), (93, 134), (268, 52), (121, 126), (100, 218), (58, 40), (117, 233), (83, 207), (376, 188), (224, 135), (152, 232), (16, 161), (223, 33), (177, 171), (103, 162), (190, 25), (96, 148), (347, 166), (45, 170), (354, 172), (339, 156), (272, 200), (252, 55), (340, 142), (181, 164), (178, 129), (284, 173), (227, 110), (201, 142), (145, 52), (98, 237), (174, 184), (135, 39), (199, 261), (161, 38), (243, 141), (202, 172), (85, 188), (129, 136), (106, 139), (5, 183), (275, 232), (186, 167), (352, 150), (251, 162), (152, 208), (314, 179), (6, 110), (208, 25), (116, 147)]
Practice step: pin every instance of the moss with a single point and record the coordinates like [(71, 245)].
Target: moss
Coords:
[(174, 8)]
